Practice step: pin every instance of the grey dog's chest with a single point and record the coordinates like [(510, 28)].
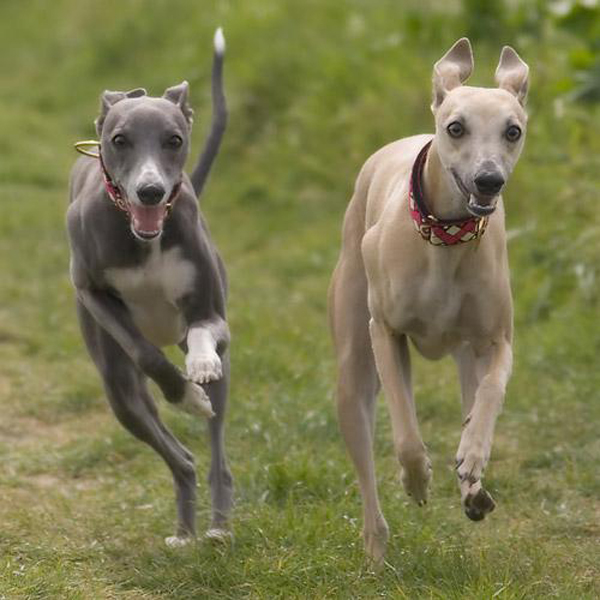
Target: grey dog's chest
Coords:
[(151, 291)]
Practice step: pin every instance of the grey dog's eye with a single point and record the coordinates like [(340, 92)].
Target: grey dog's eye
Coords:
[(455, 129), (175, 141), (513, 133), (119, 140)]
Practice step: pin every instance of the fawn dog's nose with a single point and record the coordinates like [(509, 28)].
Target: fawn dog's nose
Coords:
[(489, 183)]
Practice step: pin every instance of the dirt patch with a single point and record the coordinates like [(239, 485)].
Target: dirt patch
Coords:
[(26, 431), (44, 480)]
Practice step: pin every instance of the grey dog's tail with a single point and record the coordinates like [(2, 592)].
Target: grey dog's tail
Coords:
[(219, 119)]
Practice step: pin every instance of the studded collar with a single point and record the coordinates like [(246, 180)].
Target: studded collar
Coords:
[(438, 232)]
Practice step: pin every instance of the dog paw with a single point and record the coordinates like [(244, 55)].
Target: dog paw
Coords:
[(195, 401), (471, 460), (376, 540), (216, 535), (415, 477), (203, 368), (178, 541), (477, 502)]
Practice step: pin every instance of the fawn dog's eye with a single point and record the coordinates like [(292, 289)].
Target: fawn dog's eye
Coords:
[(513, 133), (455, 129)]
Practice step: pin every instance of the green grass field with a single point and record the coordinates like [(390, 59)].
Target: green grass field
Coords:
[(314, 87)]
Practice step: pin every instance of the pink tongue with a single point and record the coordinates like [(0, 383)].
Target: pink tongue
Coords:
[(148, 219)]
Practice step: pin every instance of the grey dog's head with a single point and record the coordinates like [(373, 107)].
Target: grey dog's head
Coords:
[(144, 145), (479, 131)]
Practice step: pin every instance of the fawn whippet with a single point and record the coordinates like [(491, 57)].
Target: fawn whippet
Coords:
[(147, 275), (424, 257)]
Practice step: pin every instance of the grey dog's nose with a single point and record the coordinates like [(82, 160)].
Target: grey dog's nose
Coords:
[(489, 183), (151, 193)]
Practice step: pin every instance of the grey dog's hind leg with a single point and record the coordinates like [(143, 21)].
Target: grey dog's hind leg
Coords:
[(134, 407), (219, 476)]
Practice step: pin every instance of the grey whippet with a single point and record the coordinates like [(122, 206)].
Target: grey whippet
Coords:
[(424, 257), (147, 275)]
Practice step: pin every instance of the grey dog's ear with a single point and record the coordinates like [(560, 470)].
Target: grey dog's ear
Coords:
[(108, 99), (452, 70), (512, 74), (178, 94)]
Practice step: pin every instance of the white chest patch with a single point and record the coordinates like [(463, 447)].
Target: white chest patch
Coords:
[(151, 291)]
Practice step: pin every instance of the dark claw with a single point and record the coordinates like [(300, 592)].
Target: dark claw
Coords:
[(459, 461), (474, 514), (484, 502), (476, 507)]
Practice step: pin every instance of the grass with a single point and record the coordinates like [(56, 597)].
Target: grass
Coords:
[(314, 88)]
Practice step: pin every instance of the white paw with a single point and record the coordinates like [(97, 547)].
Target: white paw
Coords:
[(178, 541), (195, 401), (202, 368), (219, 536)]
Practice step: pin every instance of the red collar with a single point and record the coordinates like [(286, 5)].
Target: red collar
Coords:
[(111, 187), (437, 231)]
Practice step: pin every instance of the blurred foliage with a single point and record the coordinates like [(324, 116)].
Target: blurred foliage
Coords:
[(539, 21), (582, 19)]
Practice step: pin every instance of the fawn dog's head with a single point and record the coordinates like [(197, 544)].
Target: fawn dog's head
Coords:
[(479, 131)]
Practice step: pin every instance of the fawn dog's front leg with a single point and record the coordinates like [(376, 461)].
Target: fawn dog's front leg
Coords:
[(393, 364), (476, 441)]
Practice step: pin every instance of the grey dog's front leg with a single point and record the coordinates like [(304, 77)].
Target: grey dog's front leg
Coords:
[(112, 315), (207, 363), (206, 342)]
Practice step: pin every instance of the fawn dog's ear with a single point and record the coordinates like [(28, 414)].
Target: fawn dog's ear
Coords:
[(512, 74), (178, 94), (108, 99), (452, 70)]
